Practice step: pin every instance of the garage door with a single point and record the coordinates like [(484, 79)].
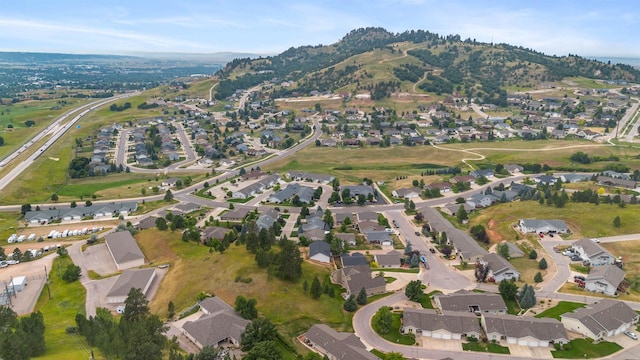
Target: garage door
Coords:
[(511, 340), (437, 335), (446, 336)]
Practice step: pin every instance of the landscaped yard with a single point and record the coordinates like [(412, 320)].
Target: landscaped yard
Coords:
[(394, 335), (586, 349), (527, 268), (59, 312), (485, 347), (194, 268), (563, 307)]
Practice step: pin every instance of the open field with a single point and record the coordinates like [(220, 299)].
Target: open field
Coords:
[(630, 252), (194, 268), (584, 220), (527, 268), (42, 112), (67, 300)]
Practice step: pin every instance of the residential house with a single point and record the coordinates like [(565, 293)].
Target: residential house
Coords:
[(310, 177), (464, 245), (616, 175), (499, 268), (356, 190), (213, 233), (354, 278), (604, 319), (146, 223), (445, 325), (353, 259), (267, 219), (514, 169), (170, 182), (256, 187), (389, 260), (340, 218), (406, 193), (124, 250), (591, 251), (378, 237), (314, 221), (470, 301), (481, 200), (545, 179), (605, 279), (574, 178), (320, 251), (452, 209), (524, 330), (129, 279), (463, 179), (304, 194), (514, 250), (543, 226), (237, 214), (615, 182), (336, 345), (487, 173), (219, 324), (347, 238), (443, 187)]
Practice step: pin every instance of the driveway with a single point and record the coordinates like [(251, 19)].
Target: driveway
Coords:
[(97, 258), (175, 329)]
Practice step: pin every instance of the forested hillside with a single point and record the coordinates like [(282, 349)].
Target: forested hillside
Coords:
[(437, 64)]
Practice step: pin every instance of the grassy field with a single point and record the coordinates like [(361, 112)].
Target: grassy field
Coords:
[(194, 268), (586, 349), (8, 224), (42, 112), (584, 220), (527, 268), (67, 300), (630, 252), (563, 307)]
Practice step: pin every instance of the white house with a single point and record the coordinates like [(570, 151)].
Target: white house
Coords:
[(447, 325), (499, 268), (604, 279), (543, 226), (589, 250), (320, 251), (524, 330), (600, 320)]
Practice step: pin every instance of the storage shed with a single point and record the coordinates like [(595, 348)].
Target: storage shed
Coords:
[(18, 283)]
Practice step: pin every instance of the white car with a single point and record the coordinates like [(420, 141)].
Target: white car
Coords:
[(631, 335), (596, 240)]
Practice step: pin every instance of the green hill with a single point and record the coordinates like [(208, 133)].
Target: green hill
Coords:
[(381, 62)]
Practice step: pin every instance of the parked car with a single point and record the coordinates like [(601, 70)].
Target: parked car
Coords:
[(541, 235), (550, 235), (596, 240), (631, 335), (433, 251), (417, 233), (575, 258)]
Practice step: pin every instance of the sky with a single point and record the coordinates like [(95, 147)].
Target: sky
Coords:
[(603, 28)]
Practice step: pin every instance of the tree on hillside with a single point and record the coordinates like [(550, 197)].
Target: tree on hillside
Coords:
[(260, 329), (316, 289), (414, 290), (527, 297), (350, 304), (481, 271), (462, 215), (538, 277), (616, 222), (533, 255), (136, 305), (246, 307), (288, 261), (264, 350), (503, 250)]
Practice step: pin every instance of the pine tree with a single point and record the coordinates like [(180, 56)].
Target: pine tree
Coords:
[(350, 305), (362, 297), (316, 289), (538, 277), (542, 264)]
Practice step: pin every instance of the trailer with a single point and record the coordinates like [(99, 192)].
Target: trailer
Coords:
[(65, 233), (21, 238), (18, 283), (51, 234), (12, 238), (31, 237)]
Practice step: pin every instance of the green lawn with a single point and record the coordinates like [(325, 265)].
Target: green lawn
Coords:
[(563, 307), (67, 300), (485, 347), (579, 268), (586, 349), (394, 335), (426, 299)]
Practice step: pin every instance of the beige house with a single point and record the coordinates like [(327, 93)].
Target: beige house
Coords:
[(604, 319), (447, 325)]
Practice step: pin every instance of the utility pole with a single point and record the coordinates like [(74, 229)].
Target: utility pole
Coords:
[(6, 291)]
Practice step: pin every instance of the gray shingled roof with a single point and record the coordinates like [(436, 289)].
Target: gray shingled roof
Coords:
[(497, 263), (343, 346), (391, 258), (132, 278), (353, 259), (453, 322), (590, 247), (359, 277), (221, 323), (535, 223), (605, 315), (319, 247), (123, 246), (545, 329), (463, 301), (611, 273)]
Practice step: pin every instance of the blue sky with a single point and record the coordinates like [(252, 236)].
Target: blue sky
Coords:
[(560, 27)]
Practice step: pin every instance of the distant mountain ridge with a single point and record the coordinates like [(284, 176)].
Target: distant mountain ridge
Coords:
[(417, 60), (47, 58)]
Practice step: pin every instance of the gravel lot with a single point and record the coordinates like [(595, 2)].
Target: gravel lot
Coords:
[(25, 300)]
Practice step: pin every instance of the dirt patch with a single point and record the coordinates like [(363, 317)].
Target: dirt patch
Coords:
[(494, 236)]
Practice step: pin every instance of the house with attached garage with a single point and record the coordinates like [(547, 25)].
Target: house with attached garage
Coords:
[(443, 187), (311, 177), (616, 182), (543, 226), (320, 251), (378, 237), (499, 268), (218, 325), (545, 179), (470, 301), (304, 193), (466, 248), (354, 278), (353, 259), (452, 209), (406, 193), (524, 330), (482, 173), (605, 279), (347, 238), (336, 345), (591, 251), (389, 260), (445, 325), (601, 320)]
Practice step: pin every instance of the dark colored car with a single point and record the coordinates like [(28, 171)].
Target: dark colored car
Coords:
[(433, 251)]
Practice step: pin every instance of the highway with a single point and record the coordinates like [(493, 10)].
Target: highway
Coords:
[(56, 130)]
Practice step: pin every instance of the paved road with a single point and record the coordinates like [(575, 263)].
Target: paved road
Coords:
[(56, 132), (629, 116), (186, 145)]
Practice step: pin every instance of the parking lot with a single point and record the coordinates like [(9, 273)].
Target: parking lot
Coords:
[(25, 300)]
